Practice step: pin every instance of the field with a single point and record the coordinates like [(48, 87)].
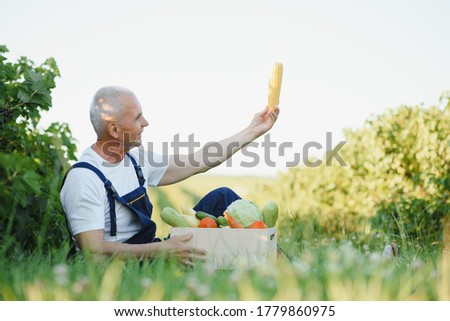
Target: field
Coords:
[(319, 267), (335, 221)]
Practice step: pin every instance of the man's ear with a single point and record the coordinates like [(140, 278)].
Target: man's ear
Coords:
[(113, 129)]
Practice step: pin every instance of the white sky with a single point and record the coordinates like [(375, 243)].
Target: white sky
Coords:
[(202, 67)]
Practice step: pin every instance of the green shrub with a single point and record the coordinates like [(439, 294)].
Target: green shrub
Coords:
[(415, 220), (399, 160), (32, 160)]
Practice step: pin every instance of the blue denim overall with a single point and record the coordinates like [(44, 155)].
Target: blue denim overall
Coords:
[(137, 201)]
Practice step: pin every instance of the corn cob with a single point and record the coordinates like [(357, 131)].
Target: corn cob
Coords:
[(192, 220), (186, 210), (275, 86)]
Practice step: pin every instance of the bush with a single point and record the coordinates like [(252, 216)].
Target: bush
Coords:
[(32, 160), (399, 162)]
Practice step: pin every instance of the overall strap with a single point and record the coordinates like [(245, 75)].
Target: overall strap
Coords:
[(112, 193), (138, 170)]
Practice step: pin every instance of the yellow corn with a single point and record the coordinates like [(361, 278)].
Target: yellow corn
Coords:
[(275, 85)]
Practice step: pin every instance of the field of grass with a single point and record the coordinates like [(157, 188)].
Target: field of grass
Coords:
[(319, 267), (318, 271)]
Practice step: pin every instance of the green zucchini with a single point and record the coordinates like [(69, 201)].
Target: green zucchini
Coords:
[(173, 218), (270, 214)]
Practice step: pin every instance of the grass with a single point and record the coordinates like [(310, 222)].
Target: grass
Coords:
[(319, 271), (321, 267)]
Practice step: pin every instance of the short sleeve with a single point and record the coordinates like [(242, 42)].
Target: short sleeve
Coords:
[(83, 197)]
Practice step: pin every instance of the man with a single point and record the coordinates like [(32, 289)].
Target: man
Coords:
[(104, 195)]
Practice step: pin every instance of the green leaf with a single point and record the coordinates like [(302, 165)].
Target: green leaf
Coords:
[(23, 96), (39, 86), (32, 76), (32, 180), (51, 63), (19, 192), (10, 71), (43, 100)]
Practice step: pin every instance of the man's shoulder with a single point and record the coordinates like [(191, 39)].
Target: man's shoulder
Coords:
[(84, 175)]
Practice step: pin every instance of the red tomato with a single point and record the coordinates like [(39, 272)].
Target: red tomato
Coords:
[(257, 224), (207, 222)]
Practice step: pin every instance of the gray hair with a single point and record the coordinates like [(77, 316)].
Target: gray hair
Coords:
[(106, 106)]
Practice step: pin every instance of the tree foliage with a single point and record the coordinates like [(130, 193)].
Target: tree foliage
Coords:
[(32, 160), (397, 175)]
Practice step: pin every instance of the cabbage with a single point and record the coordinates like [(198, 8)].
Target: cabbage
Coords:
[(244, 212)]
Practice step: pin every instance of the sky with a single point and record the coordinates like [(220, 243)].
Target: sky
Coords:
[(202, 67)]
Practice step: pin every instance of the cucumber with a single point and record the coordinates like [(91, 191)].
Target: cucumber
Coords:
[(173, 218), (200, 215), (222, 221), (270, 214)]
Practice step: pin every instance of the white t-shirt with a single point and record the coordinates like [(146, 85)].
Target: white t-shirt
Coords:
[(85, 199)]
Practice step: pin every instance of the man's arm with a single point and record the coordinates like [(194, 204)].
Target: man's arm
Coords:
[(175, 247), (184, 166)]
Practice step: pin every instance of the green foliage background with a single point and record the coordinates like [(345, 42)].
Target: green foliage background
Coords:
[(396, 182), (334, 222), (32, 160)]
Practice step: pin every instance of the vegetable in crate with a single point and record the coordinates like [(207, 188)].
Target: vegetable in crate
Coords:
[(222, 222), (257, 225), (201, 215), (173, 218), (243, 212), (270, 213), (207, 222), (231, 221), (192, 220), (186, 210)]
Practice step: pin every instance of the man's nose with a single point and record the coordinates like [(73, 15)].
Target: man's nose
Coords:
[(145, 122)]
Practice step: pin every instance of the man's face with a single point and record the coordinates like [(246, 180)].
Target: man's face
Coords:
[(131, 122)]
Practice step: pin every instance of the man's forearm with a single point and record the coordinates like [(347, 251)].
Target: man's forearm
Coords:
[(93, 242), (209, 156), (213, 154), (118, 249)]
